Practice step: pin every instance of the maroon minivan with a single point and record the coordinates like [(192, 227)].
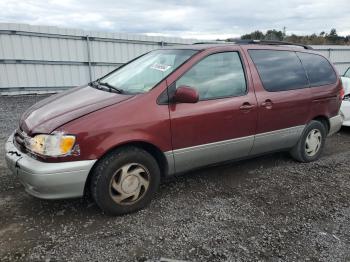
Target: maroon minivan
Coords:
[(173, 110)]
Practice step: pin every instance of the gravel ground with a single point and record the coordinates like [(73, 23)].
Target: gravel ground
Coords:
[(267, 208)]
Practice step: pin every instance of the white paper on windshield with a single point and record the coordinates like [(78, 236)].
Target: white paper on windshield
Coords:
[(160, 67)]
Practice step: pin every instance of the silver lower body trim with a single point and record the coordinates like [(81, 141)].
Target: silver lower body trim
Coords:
[(171, 162), (197, 156), (48, 180), (184, 159), (276, 140)]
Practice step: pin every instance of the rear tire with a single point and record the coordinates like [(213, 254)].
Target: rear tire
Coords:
[(125, 180), (311, 143)]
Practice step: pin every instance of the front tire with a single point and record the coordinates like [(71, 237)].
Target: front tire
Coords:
[(311, 143), (125, 180)]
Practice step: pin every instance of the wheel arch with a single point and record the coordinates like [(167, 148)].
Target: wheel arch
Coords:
[(324, 120), (148, 147)]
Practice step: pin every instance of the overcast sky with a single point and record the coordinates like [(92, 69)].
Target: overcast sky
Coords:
[(203, 19)]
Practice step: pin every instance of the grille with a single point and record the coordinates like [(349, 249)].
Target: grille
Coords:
[(19, 140)]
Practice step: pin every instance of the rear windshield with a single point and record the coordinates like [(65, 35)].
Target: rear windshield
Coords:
[(279, 70), (145, 72), (318, 69)]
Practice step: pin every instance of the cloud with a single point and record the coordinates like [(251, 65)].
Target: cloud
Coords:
[(206, 19)]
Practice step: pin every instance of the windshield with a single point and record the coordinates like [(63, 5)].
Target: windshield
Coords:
[(142, 74)]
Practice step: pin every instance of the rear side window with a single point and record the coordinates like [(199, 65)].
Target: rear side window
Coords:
[(279, 70), (318, 69)]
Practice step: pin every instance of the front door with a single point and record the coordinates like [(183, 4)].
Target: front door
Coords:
[(221, 125)]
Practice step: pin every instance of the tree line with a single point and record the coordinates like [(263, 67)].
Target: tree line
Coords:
[(323, 38)]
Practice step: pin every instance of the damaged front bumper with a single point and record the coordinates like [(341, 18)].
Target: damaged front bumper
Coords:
[(48, 180)]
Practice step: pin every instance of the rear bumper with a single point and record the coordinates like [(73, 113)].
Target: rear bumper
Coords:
[(345, 112), (48, 180), (335, 124)]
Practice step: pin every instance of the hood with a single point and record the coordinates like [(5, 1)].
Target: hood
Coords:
[(346, 84), (56, 110)]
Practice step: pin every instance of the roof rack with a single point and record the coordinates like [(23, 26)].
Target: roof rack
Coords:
[(271, 42), (258, 42), (211, 42)]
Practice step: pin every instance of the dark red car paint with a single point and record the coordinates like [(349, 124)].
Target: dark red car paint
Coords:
[(293, 107), (185, 94), (102, 120), (59, 109), (212, 120)]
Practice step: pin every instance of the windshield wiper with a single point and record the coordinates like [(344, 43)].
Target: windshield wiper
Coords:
[(97, 84), (118, 90), (93, 84)]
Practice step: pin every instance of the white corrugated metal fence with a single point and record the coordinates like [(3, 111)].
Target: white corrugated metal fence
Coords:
[(338, 54), (46, 58)]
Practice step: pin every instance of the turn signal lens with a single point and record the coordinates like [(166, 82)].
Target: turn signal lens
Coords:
[(67, 143)]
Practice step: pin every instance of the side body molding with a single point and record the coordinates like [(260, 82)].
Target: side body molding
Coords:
[(184, 159), (277, 139)]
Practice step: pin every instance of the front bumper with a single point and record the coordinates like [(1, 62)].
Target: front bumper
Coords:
[(48, 180), (335, 124), (345, 112)]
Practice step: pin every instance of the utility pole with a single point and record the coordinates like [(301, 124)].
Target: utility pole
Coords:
[(284, 32)]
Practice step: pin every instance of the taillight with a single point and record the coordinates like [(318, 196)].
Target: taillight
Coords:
[(342, 91)]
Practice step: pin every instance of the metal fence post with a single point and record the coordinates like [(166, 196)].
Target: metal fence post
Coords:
[(89, 56)]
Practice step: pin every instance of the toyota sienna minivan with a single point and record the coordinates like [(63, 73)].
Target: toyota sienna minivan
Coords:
[(173, 110)]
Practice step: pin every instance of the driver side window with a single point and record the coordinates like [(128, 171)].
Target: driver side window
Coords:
[(216, 76)]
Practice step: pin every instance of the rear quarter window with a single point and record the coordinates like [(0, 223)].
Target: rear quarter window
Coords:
[(279, 70), (318, 69)]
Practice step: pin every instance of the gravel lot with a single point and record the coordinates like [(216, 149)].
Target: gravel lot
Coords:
[(267, 208)]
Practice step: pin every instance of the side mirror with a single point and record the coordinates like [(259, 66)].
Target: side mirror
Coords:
[(186, 94)]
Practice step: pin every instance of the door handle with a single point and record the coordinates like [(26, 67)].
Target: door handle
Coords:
[(267, 104), (246, 107)]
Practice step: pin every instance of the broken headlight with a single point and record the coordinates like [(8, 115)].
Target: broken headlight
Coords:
[(55, 144)]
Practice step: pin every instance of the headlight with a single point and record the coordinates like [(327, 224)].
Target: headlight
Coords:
[(55, 144)]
